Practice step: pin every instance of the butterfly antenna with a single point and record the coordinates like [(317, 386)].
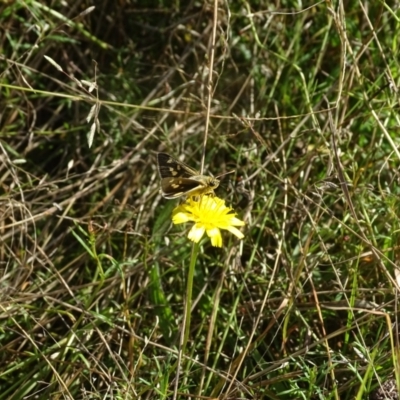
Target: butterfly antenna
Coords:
[(226, 173)]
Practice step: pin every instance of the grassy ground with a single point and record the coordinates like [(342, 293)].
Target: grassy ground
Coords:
[(300, 101)]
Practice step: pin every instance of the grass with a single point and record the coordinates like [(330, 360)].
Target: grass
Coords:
[(303, 106)]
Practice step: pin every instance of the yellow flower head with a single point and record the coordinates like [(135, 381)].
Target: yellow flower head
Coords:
[(209, 214)]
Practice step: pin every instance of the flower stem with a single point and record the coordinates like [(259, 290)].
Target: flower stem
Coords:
[(186, 318), (189, 292)]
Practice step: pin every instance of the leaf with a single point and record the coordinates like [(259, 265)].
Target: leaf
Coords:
[(51, 61)]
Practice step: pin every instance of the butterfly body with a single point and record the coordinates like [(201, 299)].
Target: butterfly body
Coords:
[(177, 179)]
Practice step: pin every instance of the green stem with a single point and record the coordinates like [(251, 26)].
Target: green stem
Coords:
[(186, 318), (189, 292)]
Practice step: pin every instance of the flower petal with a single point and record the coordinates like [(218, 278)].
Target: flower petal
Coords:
[(180, 218), (236, 232), (215, 235), (196, 233), (236, 222)]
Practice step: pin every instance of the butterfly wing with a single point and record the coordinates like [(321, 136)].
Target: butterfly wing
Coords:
[(168, 167), (172, 188)]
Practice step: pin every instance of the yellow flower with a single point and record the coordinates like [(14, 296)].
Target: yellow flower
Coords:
[(209, 214)]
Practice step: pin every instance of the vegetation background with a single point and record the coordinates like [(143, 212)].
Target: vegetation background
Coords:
[(304, 107)]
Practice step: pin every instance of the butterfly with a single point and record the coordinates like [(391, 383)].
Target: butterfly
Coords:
[(177, 179)]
